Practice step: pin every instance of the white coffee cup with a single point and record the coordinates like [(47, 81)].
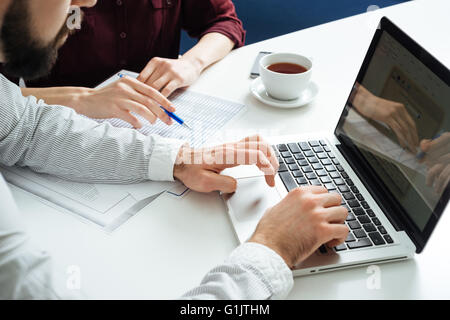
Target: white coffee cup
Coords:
[(284, 86)]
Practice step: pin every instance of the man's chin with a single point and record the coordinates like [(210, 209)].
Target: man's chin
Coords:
[(24, 55)]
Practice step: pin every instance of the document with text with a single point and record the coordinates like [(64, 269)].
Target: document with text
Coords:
[(105, 205)]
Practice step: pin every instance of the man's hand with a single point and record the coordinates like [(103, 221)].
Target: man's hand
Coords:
[(121, 98), (307, 218), (200, 169), (437, 160), (392, 113), (168, 75)]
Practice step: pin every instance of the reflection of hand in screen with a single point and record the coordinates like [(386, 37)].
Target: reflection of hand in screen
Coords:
[(437, 160), (391, 113)]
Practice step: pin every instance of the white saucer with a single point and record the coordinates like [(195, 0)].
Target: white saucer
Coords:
[(259, 91)]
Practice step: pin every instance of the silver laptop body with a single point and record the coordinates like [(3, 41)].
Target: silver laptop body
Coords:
[(385, 226)]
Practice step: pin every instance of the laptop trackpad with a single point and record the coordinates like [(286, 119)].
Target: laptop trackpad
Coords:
[(249, 203)]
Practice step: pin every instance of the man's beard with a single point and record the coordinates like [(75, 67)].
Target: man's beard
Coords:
[(25, 56)]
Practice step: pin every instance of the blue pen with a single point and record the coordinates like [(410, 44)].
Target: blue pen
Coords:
[(422, 154), (176, 118), (170, 114)]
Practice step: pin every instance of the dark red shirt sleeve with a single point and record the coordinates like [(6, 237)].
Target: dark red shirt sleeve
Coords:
[(200, 17)]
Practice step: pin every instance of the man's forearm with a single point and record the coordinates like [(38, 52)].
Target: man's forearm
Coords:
[(62, 96), (252, 271), (211, 48), (55, 140)]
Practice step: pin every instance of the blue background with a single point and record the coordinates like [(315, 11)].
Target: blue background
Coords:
[(264, 19)]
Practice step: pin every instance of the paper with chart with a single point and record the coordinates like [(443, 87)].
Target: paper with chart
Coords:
[(205, 114), (109, 206)]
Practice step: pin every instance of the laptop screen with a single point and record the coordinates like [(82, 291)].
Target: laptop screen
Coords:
[(398, 118)]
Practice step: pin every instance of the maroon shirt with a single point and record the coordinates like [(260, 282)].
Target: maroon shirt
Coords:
[(126, 34)]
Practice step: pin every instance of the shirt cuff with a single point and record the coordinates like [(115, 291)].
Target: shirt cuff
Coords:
[(273, 269), (163, 157)]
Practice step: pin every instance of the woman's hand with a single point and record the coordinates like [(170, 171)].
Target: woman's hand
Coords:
[(168, 75), (121, 98)]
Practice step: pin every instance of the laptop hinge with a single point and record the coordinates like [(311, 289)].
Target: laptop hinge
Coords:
[(381, 198)]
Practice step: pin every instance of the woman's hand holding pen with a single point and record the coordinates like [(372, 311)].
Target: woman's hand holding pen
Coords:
[(121, 98)]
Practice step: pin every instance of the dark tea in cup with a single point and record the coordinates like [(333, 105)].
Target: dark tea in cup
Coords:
[(285, 75), (287, 68)]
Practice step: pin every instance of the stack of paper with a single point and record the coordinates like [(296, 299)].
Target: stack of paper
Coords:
[(105, 205)]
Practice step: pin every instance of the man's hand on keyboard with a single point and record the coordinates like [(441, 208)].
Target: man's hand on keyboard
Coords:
[(199, 169), (304, 220)]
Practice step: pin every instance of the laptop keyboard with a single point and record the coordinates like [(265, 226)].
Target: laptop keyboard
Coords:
[(313, 163)]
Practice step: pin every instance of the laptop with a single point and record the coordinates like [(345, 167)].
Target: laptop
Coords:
[(372, 160)]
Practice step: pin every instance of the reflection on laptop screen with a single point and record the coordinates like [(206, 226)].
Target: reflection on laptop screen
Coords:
[(398, 117)]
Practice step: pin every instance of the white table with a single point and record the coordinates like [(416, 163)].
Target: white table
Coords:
[(168, 247)]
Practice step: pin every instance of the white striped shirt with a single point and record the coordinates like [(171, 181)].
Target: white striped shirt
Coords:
[(55, 140)]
